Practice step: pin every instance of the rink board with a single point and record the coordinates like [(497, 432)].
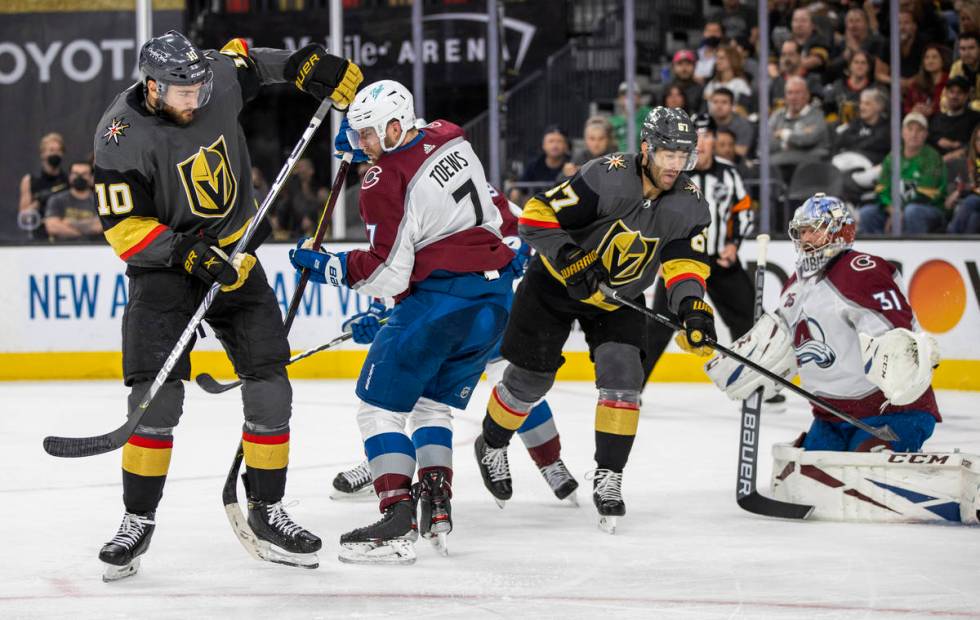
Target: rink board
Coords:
[(62, 309)]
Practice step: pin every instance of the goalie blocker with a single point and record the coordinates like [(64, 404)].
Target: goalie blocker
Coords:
[(897, 487)]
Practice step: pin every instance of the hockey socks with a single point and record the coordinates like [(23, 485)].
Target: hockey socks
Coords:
[(145, 461), (617, 415), (266, 457), (505, 414)]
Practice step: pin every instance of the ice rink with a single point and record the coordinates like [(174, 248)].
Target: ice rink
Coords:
[(684, 550)]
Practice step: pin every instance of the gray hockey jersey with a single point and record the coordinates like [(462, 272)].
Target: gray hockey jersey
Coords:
[(155, 180), (602, 208)]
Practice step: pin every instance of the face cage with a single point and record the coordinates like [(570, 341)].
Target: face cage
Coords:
[(203, 95), (810, 260)]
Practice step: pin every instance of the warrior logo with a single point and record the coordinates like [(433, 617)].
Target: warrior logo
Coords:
[(625, 253), (209, 181), (811, 344)]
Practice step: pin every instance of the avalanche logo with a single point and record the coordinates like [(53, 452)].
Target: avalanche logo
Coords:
[(811, 344)]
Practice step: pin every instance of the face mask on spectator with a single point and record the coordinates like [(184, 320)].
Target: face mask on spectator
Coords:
[(79, 183), (53, 160)]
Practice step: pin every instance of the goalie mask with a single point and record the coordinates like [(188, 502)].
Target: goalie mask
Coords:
[(181, 72), (821, 228), (374, 107)]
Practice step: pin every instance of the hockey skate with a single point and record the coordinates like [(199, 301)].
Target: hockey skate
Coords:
[(775, 403), (495, 469), (561, 481), (278, 538), (435, 511), (353, 483), (122, 554), (607, 494), (391, 540)]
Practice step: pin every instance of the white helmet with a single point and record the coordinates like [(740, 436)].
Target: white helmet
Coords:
[(375, 106)]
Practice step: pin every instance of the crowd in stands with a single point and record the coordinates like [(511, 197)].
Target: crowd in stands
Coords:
[(829, 126), (829, 93)]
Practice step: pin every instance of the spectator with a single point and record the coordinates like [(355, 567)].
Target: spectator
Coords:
[(721, 106), (816, 51), (966, 217), (798, 131), (682, 68), (674, 98), (948, 129), (791, 64), (599, 141), (730, 74), (738, 20), (618, 120), (868, 135), (923, 185), (911, 48), (968, 65), (546, 167), (35, 189), (841, 98), (73, 214), (711, 37), (858, 37), (300, 211), (926, 89), (969, 14), (725, 145)]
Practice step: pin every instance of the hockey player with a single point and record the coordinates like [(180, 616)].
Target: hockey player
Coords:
[(844, 324), (172, 179), (614, 223), (435, 246), (538, 432), (732, 292)]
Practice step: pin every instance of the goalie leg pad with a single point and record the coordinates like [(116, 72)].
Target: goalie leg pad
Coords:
[(905, 487)]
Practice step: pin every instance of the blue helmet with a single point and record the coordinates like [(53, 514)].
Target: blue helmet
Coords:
[(821, 228)]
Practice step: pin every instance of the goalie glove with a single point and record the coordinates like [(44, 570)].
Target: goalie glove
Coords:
[(900, 363), (768, 344)]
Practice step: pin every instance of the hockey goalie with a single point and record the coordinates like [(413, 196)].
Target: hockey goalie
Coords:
[(844, 325)]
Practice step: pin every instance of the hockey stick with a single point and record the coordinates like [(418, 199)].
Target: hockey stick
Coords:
[(211, 385), (746, 494), (229, 492), (885, 433), (99, 444)]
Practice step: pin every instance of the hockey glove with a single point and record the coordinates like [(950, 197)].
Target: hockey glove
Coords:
[(583, 272), (323, 75), (900, 363), (243, 264), (698, 320), (342, 144), (522, 253), (768, 344), (364, 326), (204, 261), (325, 267)]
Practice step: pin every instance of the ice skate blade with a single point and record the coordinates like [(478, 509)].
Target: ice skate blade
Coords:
[(115, 573), (500, 502), (607, 524), (440, 543), (571, 498), (367, 493), (271, 553), (396, 552)]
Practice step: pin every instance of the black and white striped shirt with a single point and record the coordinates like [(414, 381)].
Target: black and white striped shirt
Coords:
[(732, 218)]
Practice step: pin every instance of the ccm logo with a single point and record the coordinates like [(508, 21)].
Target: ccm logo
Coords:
[(919, 459), (305, 69)]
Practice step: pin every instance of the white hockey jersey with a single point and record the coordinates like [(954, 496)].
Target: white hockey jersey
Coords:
[(856, 293)]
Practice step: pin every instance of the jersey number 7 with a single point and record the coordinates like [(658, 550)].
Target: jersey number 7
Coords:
[(469, 189)]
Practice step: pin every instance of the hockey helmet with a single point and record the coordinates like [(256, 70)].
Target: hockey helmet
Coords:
[(821, 228), (672, 132), (172, 60), (375, 106)]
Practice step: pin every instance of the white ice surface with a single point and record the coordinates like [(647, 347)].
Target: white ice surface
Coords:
[(684, 549)]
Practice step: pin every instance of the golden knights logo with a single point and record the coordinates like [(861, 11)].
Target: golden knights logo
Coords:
[(625, 253), (209, 181)]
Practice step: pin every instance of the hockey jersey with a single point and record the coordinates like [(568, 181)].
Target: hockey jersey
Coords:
[(857, 292), (602, 208), (154, 179), (728, 204), (427, 207)]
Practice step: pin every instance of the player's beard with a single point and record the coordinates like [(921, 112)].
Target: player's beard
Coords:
[(178, 117), (660, 178)]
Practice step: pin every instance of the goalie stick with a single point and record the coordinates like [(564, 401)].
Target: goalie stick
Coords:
[(885, 433), (746, 494), (229, 492), (73, 447)]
